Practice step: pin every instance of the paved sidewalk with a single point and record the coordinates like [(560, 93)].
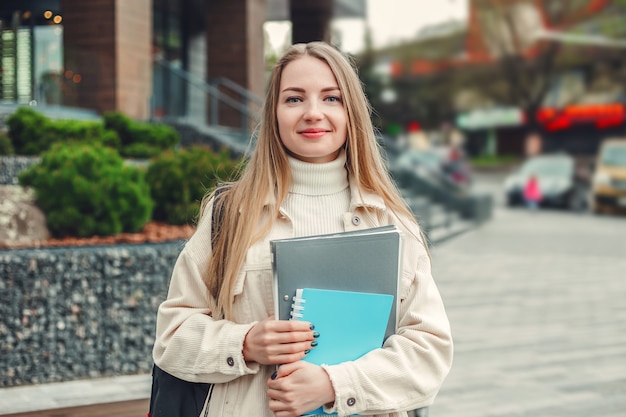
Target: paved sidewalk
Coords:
[(74, 393), (538, 312)]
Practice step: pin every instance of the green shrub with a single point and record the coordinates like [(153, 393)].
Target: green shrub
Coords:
[(141, 151), (76, 130), (87, 190), (140, 139), (32, 133), (179, 179), (121, 124), (491, 161), (29, 131), (6, 146)]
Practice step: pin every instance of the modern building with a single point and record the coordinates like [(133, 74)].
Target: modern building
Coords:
[(149, 58)]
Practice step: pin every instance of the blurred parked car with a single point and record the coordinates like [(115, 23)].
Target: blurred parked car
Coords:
[(561, 184), (609, 180)]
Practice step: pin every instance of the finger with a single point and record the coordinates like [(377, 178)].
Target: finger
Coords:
[(289, 368), (287, 338), (286, 358), (269, 337), (278, 407), (291, 326)]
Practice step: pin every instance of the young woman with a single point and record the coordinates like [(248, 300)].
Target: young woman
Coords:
[(316, 169)]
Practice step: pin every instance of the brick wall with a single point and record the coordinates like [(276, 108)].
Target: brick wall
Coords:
[(235, 48), (108, 43), (89, 51), (134, 60)]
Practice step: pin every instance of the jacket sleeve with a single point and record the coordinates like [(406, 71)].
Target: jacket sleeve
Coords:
[(189, 343), (409, 370)]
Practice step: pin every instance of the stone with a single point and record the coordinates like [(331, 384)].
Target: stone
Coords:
[(21, 221)]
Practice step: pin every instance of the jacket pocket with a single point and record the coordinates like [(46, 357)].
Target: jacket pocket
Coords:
[(253, 294)]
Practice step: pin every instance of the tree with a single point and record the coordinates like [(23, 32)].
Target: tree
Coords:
[(402, 96), (525, 66)]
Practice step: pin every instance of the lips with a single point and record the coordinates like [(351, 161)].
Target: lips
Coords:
[(313, 133)]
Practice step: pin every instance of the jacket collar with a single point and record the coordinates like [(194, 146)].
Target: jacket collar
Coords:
[(364, 198), (359, 198)]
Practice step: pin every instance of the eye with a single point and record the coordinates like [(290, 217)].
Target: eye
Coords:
[(333, 99), (291, 100)]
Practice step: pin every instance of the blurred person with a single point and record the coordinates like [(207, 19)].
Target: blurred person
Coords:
[(456, 139), (316, 168), (533, 144), (417, 138), (532, 193)]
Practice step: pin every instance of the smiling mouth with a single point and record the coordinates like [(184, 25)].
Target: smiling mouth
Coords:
[(313, 133)]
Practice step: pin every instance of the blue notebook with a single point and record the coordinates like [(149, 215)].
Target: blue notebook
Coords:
[(350, 323)]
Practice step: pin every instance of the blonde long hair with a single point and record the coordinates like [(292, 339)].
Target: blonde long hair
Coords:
[(241, 204)]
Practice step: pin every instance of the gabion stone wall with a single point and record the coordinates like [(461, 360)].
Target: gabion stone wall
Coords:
[(11, 166), (73, 313)]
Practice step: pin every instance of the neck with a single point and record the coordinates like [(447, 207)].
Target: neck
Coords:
[(319, 179)]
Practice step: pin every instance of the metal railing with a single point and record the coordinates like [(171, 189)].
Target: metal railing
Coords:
[(218, 92)]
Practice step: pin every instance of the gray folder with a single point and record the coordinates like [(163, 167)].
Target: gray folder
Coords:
[(364, 261)]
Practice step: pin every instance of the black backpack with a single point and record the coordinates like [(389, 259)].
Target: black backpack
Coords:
[(174, 397)]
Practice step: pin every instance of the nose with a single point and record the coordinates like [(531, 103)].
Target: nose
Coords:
[(313, 111)]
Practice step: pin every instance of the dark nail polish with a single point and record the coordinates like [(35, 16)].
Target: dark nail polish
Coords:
[(274, 375), (312, 327), (306, 352), (314, 343), (316, 334)]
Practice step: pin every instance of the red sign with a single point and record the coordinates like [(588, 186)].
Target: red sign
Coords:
[(602, 115)]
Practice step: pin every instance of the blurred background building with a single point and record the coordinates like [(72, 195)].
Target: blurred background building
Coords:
[(147, 58), (506, 71), (515, 69)]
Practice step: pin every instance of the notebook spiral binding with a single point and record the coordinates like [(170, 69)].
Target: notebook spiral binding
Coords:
[(297, 307)]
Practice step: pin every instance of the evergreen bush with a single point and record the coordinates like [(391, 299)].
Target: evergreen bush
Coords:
[(32, 133), (29, 131), (86, 190), (6, 146), (140, 139), (179, 179)]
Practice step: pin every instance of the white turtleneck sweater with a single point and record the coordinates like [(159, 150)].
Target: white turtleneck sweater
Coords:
[(318, 197)]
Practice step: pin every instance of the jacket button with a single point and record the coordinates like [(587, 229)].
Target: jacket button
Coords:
[(351, 401), (230, 361), (356, 220)]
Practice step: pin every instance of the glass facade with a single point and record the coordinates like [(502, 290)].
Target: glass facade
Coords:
[(48, 68), (31, 52), (169, 89)]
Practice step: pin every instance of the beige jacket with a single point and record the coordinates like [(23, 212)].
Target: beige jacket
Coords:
[(405, 374)]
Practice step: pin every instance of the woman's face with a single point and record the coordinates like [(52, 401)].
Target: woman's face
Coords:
[(312, 122)]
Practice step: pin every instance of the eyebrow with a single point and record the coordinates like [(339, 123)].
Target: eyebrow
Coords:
[(302, 90)]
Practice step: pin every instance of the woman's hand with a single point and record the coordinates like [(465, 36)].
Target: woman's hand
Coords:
[(277, 342), (297, 388)]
